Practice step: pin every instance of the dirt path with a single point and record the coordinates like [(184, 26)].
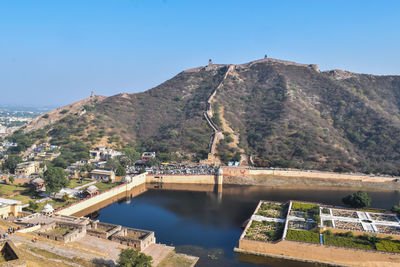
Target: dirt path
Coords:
[(158, 252), (208, 114)]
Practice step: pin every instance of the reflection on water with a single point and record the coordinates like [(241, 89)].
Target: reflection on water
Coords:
[(206, 221)]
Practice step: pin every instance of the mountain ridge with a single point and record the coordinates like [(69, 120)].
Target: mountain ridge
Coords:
[(279, 113)]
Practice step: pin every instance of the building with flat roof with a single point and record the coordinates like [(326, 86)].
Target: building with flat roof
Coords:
[(27, 168), (103, 154), (38, 185), (103, 175), (9, 207), (90, 191), (148, 155)]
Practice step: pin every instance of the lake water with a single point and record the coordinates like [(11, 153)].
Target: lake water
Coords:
[(207, 223)]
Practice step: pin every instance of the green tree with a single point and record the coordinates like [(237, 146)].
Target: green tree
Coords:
[(60, 162), (152, 162), (65, 197), (133, 258), (11, 179), (120, 171), (129, 157), (10, 164), (87, 168), (33, 206), (112, 164), (396, 209), (358, 199), (54, 178)]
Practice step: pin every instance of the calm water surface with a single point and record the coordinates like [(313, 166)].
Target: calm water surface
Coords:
[(208, 224)]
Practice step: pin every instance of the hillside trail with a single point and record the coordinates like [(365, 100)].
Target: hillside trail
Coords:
[(218, 133)]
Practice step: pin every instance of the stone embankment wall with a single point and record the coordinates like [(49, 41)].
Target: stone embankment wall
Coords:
[(181, 179), (325, 175), (29, 229), (17, 181), (244, 172), (319, 254), (305, 179), (86, 203)]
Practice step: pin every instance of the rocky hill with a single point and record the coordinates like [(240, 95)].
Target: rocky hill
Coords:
[(272, 112)]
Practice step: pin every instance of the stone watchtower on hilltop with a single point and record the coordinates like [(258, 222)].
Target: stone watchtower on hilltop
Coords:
[(210, 62), (92, 95)]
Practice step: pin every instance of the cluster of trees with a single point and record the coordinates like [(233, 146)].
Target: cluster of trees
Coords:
[(71, 153), (128, 158), (225, 152), (55, 179), (23, 142), (359, 199), (10, 164)]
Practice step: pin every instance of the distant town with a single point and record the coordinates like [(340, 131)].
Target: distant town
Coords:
[(12, 118)]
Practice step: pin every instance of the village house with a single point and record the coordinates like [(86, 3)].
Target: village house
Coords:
[(38, 185), (70, 192), (9, 207), (27, 168), (103, 175), (103, 154), (48, 209), (148, 155), (90, 191), (46, 156), (74, 168)]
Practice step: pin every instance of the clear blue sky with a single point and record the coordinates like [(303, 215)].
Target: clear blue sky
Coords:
[(55, 52)]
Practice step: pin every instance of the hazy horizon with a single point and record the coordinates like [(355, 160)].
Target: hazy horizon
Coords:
[(57, 52)]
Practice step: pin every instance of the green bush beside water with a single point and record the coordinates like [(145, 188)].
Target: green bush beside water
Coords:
[(303, 236)]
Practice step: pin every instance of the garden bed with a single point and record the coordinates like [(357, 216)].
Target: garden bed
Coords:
[(325, 211), (351, 226), (264, 231), (344, 213), (382, 217), (303, 236), (301, 225), (272, 210), (391, 230), (306, 211)]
